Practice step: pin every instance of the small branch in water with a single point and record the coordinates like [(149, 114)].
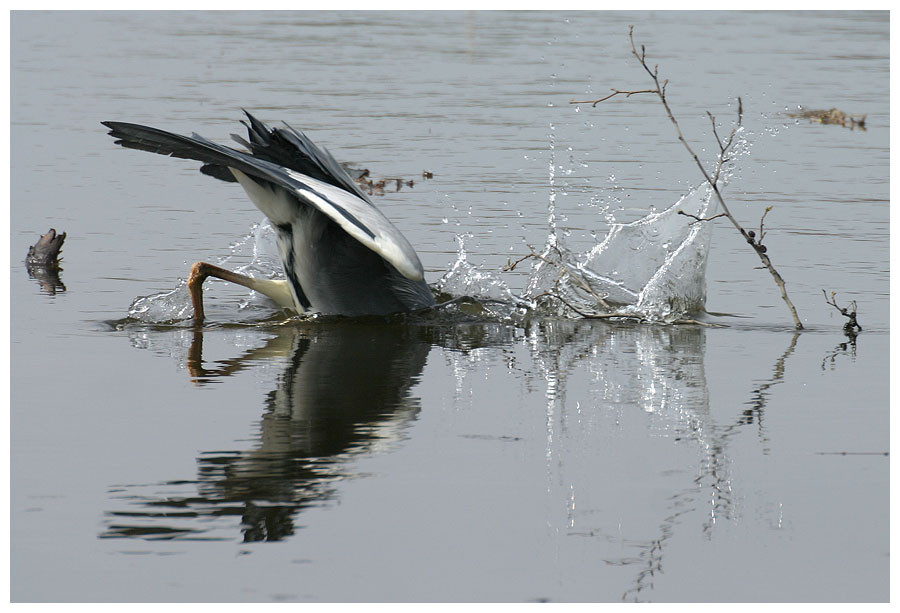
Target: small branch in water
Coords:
[(712, 120), (615, 92), (510, 265), (851, 327), (713, 180), (42, 262), (624, 316), (563, 272), (45, 252), (762, 220), (699, 219)]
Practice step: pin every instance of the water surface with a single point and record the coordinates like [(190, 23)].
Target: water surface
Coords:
[(449, 458)]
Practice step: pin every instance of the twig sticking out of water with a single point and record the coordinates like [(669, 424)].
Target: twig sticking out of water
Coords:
[(615, 92), (42, 261), (851, 327), (725, 149), (699, 219), (563, 272)]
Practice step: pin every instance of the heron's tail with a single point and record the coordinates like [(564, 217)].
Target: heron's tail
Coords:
[(293, 149), (285, 147), (216, 158)]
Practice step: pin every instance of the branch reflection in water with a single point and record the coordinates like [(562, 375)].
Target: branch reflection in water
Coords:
[(713, 484), (659, 369)]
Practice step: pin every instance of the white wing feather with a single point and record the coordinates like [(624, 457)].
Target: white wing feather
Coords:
[(355, 216)]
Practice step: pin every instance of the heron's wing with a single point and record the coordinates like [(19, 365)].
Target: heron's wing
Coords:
[(293, 149), (356, 216)]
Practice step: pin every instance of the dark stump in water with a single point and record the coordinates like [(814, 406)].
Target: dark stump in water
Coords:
[(42, 261)]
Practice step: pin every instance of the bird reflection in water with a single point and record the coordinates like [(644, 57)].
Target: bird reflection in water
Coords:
[(345, 390)]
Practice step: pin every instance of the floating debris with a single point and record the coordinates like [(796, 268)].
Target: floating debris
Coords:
[(832, 116), (357, 174), (373, 187), (45, 252), (42, 261)]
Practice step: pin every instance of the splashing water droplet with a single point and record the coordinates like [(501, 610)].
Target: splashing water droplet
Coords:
[(175, 305)]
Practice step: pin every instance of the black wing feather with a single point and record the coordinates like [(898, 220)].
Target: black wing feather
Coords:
[(286, 147), (292, 149)]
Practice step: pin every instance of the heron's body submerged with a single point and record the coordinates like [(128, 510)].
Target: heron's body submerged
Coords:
[(339, 253)]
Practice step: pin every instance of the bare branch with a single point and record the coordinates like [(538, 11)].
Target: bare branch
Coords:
[(715, 133), (762, 219), (615, 92), (698, 219), (563, 272), (510, 265), (713, 180), (852, 325)]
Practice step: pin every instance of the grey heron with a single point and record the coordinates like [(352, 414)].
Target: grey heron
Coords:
[(340, 254)]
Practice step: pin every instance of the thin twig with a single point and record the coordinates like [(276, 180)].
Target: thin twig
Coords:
[(626, 316), (615, 92), (762, 220), (698, 219), (852, 325), (577, 280), (715, 133), (510, 265)]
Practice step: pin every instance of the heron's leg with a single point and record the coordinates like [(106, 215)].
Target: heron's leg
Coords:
[(199, 273), (277, 290)]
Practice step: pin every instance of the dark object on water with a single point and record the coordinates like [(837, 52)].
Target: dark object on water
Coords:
[(42, 261), (832, 116), (357, 174), (372, 187), (45, 252), (340, 254)]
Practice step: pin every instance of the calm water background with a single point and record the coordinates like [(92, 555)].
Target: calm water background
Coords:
[(563, 461)]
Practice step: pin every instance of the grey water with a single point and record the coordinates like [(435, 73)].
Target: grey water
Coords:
[(461, 456)]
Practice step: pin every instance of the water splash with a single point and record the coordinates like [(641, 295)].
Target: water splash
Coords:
[(164, 307), (258, 247), (654, 268), (466, 279)]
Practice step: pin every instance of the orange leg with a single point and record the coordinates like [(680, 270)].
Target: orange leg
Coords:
[(199, 273), (276, 290)]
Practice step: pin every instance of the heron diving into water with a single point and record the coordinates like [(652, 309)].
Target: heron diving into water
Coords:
[(341, 255)]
